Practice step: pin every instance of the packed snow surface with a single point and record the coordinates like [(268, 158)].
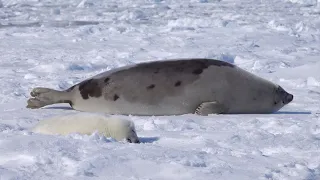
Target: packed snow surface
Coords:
[(59, 43)]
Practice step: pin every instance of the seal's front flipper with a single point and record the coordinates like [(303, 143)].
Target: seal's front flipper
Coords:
[(206, 108)]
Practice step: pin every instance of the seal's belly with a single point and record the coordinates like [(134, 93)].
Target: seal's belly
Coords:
[(184, 103), (96, 105)]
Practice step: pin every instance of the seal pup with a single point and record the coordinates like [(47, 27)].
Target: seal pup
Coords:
[(171, 87), (87, 123)]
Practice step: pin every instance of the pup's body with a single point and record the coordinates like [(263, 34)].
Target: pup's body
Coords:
[(87, 123)]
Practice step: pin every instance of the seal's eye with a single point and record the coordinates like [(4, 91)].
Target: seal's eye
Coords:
[(275, 103)]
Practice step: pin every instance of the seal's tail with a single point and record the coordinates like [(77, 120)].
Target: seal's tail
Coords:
[(44, 96)]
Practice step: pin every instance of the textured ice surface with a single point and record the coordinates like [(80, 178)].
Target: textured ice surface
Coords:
[(58, 43)]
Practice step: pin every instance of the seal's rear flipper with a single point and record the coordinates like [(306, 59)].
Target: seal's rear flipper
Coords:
[(206, 108), (45, 96)]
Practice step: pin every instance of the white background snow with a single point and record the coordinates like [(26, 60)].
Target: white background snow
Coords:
[(59, 43)]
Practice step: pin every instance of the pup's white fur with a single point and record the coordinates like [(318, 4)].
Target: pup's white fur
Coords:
[(87, 123)]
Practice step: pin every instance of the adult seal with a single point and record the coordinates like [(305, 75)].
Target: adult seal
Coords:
[(171, 87)]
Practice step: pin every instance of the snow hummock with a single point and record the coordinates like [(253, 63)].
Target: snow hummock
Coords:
[(56, 44)]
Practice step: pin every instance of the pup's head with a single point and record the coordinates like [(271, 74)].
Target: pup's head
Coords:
[(121, 129), (132, 137)]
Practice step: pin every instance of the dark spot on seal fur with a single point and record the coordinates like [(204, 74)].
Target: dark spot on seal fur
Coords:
[(106, 80), (84, 84), (197, 71), (178, 83), (151, 86), (115, 97), (90, 88)]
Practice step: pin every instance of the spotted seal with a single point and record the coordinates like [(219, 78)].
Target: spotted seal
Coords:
[(170, 87)]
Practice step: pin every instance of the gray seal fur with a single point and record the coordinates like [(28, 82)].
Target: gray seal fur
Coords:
[(171, 87)]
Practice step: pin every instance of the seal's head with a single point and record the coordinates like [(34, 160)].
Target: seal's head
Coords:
[(282, 97), (260, 98), (132, 137)]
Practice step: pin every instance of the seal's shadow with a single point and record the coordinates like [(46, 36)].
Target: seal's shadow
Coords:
[(59, 107), (293, 112), (148, 139)]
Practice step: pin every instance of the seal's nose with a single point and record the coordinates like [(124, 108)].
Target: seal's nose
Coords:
[(288, 98)]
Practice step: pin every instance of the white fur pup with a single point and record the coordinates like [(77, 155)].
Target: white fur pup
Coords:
[(87, 123)]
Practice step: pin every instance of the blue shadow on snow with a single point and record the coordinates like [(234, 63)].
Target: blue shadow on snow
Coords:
[(148, 139), (293, 112)]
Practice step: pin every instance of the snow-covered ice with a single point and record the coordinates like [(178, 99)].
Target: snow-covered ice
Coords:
[(58, 43)]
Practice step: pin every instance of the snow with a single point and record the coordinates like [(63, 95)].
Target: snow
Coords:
[(59, 43)]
